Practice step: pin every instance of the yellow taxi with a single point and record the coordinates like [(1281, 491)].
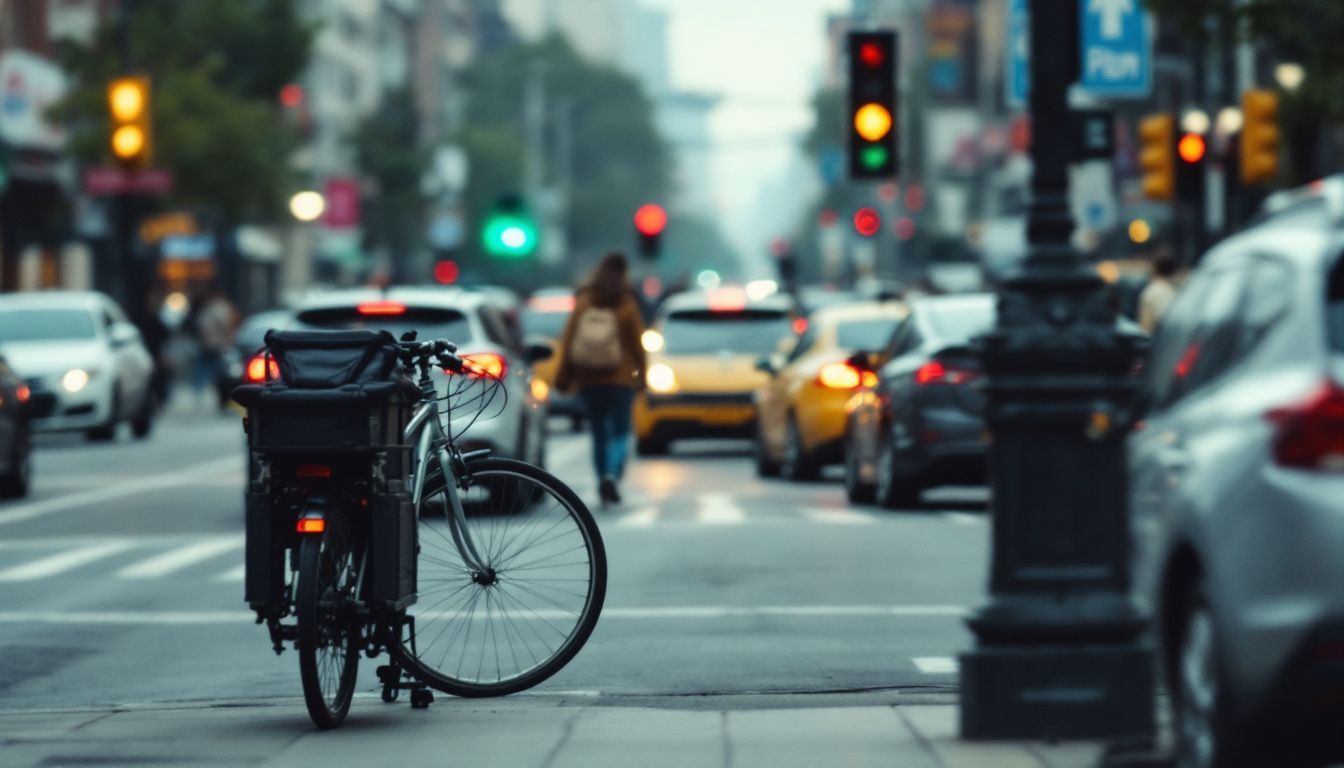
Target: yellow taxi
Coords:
[(702, 353), (801, 406)]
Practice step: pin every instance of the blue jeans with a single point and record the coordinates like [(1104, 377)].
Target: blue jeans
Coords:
[(609, 419)]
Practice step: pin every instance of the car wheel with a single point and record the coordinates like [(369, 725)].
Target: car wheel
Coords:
[(892, 490), (651, 447), (797, 464), (14, 483), (108, 431), (766, 466), (856, 490), (143, 421), (1198, 700)]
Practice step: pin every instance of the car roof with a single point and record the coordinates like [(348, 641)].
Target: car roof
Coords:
[(952, 302), (860, 310), (54, 300), (693, 300), (435, 298)]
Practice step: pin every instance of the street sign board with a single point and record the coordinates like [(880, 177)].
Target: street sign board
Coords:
[(1117, 48), (1017, 68), (111, 180)]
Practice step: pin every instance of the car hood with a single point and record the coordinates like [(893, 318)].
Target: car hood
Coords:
[(43, 358)]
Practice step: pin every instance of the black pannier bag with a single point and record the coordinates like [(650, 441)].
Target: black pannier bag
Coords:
[(339, 392)]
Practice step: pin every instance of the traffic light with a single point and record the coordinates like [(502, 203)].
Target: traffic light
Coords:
[(872, 105), (650, 221), (1191, 151), (1259, 136), (509, 231), (131, 139), (1157, 156), (867, 221)]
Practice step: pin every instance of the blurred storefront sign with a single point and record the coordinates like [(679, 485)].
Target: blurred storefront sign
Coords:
[(447, 229), (342, 211), (116, 181), (952, 51), (175, 224), (29, 85), (197, 247)]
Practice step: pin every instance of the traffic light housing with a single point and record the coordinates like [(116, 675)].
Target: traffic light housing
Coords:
[(1191, 151), (131, 138), (1157, 156), (872, 105), (1259, 136), (650, 221)]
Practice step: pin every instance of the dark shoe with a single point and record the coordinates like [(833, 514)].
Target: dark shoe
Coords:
[(607, 490)]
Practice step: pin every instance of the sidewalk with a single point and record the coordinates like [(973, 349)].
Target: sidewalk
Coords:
[(524, 731)]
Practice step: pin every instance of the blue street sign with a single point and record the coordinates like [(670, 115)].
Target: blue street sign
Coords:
[(1017, 69), (1117, 48)]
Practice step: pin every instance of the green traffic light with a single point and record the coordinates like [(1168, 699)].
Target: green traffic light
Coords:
[(509, 235), (874, 157)]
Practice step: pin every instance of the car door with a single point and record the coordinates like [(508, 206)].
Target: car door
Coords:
[(774, 399), (897, 380)]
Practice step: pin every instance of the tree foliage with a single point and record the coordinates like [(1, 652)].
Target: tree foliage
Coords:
[(616, 159), (216, 68), (392, 161)]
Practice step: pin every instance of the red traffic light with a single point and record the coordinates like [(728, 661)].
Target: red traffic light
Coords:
[(1191, 148), (871, 54), (291, 95), (867, 222), (650, 220), (446, 272)]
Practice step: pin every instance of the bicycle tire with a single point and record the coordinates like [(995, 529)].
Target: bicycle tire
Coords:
[(328, 642), (517, 587)]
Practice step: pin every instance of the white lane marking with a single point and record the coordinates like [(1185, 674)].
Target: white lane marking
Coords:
[(837, 516), (233, 575), (63, 561), (177, 559), (665, 613), (102, 494), (965, 518), (936, 665), (719, 509), (640, 518)]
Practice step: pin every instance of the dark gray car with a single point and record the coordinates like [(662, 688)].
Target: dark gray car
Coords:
[(1237, 494)]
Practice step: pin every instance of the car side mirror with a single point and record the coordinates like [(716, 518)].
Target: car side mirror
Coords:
[(863, 361), (537, 351), (123, 334)]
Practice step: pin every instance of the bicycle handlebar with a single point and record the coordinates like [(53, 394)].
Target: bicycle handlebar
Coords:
[(422, 353)]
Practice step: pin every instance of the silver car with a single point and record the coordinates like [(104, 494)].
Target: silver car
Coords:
[(1237, 493), (510, 425), (78, 348)]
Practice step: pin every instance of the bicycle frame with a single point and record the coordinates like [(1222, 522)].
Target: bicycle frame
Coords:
[(426, 429)]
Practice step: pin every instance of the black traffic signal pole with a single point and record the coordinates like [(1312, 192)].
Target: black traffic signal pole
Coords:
[(1058, 651)]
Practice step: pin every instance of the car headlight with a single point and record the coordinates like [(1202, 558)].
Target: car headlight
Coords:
[(661, 378), (652, 341), (75, 380)]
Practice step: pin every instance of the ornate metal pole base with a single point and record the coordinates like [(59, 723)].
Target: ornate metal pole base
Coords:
[(1058, 651)]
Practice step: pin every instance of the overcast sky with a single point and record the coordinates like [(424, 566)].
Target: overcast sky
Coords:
[(764, 58)]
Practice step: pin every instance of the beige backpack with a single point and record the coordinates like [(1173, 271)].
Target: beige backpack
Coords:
[(596, 344)]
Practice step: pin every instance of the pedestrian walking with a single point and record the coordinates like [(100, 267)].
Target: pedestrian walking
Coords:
[(214, 323), (602, 359), (1160, 292)]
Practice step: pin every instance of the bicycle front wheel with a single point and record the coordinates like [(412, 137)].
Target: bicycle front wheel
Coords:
[(328, 639), (509, 628)]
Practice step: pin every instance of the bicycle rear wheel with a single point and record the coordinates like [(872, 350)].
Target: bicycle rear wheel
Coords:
[(328, 638), (506, 630)]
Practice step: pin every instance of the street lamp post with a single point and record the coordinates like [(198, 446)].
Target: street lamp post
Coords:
[(1058, 650)]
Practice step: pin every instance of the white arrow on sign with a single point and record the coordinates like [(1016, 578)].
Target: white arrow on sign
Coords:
[(1112, 14)]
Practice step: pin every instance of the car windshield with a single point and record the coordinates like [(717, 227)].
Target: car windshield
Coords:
[(46, 324), (428, 323), (546, 324), (702, 332), (865, 334), (961, 320)]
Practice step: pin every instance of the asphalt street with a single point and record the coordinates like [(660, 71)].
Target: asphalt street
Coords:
[(122, 582)]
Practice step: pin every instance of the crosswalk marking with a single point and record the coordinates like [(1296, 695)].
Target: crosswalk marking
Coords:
[(233, 575), (62, 561), (719, 509), (838, 516), (935, 665), (177, 559), (640, 518)]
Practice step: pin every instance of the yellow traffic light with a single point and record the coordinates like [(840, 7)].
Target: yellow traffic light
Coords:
[(128, 107), (1157, 156), (872, 121), (1259, 136)]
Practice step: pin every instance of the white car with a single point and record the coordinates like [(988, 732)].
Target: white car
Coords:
[(80, 348), (513, 423)]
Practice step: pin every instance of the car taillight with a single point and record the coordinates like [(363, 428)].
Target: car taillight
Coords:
[(1310, 434), (23, 393), (935, 372), (261, 369), (485, 365), (799, 325), (381, 308)]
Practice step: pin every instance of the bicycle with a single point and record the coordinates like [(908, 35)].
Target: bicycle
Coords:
[(348, 458)]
